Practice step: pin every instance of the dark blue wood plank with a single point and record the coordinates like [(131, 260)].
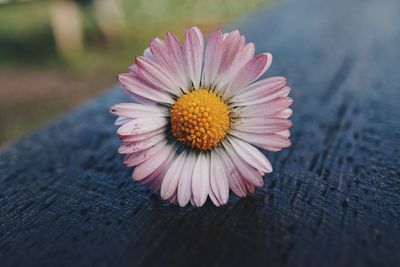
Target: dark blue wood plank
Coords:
[(332, 200)]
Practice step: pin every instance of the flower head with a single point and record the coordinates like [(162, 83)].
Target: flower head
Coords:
[(199, 115)]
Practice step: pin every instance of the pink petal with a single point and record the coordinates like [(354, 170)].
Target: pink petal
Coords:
[(201, 179), (241, 59), (133, 69), (139, 99), (260, 89), (284, 114), (235, 181), (156, 75), (270, 148), (132, 147), (250, 72), (249, 187), (231, 46), (218, 180), (251, 155), (142, 89), (165, 57), (214, 199), (173, 198), (194, 53), (141, 156), (143, 136), (161, 54), (212, 58), (177, 53), (185, 181), (144, 169), (134, 110), (170, 183), (284, 92), (261, 125), (156, 177), (121, 120), (266, 141), (192, 202), (247, 171), (285, 133), (156, 181), (269, 109), (148, 54), (142, 125)]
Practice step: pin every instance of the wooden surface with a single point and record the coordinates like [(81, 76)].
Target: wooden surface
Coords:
[(332, 200)]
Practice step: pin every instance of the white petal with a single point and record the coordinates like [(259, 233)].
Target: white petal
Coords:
[(251, 155), (201, 180), (218, 180), (170, 182), (185, 181)]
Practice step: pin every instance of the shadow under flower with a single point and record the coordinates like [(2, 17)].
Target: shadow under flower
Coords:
[(249, 228)]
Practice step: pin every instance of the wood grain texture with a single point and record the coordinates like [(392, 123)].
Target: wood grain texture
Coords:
[(332, 200)]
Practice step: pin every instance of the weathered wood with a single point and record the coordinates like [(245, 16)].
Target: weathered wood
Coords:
[(332, 200)]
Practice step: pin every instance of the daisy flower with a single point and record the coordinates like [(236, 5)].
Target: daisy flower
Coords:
[(198, 116)]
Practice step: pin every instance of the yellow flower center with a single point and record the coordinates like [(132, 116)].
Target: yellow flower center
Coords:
[(200, 119)]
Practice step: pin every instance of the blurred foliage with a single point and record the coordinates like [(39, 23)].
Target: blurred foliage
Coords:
[(26, 36), (28, 53)]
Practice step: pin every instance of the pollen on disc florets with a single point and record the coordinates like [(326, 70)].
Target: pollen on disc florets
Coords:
[(200, 119)]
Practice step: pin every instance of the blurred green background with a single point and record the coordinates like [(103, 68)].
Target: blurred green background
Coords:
[(56, 54)]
